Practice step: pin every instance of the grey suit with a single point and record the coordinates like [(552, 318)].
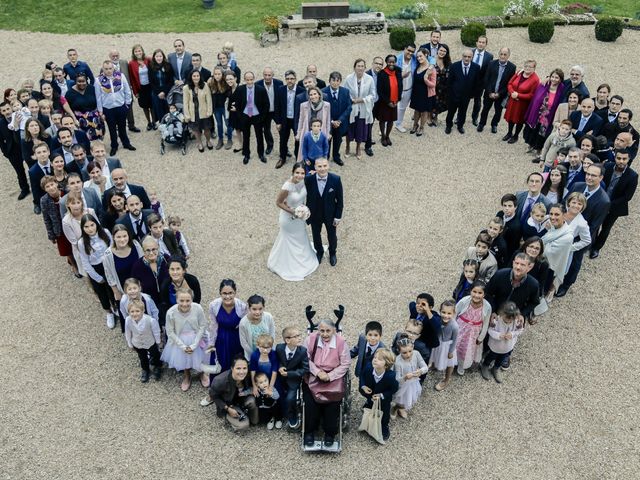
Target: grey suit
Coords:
[(92, 201), (522, 199), (184, 68)]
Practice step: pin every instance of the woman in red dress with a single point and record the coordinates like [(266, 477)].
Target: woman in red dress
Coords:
[(521, 88)]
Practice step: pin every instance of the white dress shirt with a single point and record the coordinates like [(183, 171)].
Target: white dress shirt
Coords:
[(112, 99)]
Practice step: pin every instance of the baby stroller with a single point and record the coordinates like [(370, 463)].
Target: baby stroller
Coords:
[(173, 131), (345, 404)]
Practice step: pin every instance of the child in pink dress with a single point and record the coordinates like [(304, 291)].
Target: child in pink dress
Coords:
[(472, 314)]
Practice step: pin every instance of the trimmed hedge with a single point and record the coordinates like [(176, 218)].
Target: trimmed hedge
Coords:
[(541, 30), (470, 32), (400, 37), (608, 29)]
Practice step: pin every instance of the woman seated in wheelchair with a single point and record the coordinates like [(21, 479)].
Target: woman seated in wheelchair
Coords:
[(323, 390)]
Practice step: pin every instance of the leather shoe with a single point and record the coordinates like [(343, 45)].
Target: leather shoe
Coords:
[(245, 160), (269, 150), (461, 130), (480, 128), (263, 159), (37, 210), (447, 130), (333, 260), (369, 152), (309, 440), (594, 254), (134, 129), (562, 291), (506, 137), (512, 140), (130, 147), (289, 155), (23, 194), (319, 257), (475, 122), (337, 161), (280, 163), (112, 152), (494, 129)]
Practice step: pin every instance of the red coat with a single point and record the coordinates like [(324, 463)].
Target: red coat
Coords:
[(516, 108), (134, 76)]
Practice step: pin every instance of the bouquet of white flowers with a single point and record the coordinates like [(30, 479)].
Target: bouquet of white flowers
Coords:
[(302, 212)]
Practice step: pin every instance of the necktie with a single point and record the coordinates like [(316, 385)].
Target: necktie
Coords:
[(139, 228), (466, 69), (526, 209), (369, 351), (250, 103), (289, 356), (500, 73), (477, 59), (47, 170), (583, 123), (335, 95)]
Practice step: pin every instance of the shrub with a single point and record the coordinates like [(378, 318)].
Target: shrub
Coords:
[(271, 23), (400, 37), (608, 29), (470, 33), (357, 7), (409, 12), (541, 30)]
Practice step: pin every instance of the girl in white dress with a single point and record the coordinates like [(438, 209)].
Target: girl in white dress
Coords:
[(292, 256), (409, 367)]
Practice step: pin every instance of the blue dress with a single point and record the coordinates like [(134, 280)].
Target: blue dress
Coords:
[(228, 340)]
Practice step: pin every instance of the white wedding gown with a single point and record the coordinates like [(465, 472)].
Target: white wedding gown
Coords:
[(292, 256)]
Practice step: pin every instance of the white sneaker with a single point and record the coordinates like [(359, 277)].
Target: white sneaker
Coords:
[(460, 370), (401, 129), (271, 424), (278, 424), (111, 321), (206, 401)]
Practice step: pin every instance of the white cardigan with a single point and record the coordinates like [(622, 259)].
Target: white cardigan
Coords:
[(71, 230), (367, 93), (245, 332), (176, 320), (214, 308), (109, 264), (557, 246)]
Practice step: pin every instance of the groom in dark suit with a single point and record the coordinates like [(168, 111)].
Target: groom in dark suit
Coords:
[(324, 199)]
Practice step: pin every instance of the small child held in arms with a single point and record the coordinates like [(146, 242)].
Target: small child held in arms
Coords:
[(559, 138), (175, 223), (409, 367), (511, 224), (444, 357), (315, 145), (535, 225), (378, 380), (367, 346), (156, 206), (503, 335), (467, 277), (233, 58), (267, 397), (294, 363), (142, 334)]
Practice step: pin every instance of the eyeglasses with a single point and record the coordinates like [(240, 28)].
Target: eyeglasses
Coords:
[(378, 63), (412, 333)]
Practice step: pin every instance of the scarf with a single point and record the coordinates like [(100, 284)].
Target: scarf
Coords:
[(315, 108), (106, 85), (557, 247), (393, 85)]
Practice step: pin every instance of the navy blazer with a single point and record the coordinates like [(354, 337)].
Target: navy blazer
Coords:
[(35, 175), (9, 141), (578, 177), (186, 65), (387, 386), (126, 221), (280, 107), (296, 367), (593, 125), (522, 198), (598, 205), (461, 86), (205, 73), (623, 191), (79, 137), (137, 190), (359, 351), (325, 208), (340, 107)]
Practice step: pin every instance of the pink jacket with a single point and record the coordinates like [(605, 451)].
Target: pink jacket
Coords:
[(430, 80), (335, 362)]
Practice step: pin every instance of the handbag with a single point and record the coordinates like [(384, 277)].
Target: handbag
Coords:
[(209, 369), (372, 421)]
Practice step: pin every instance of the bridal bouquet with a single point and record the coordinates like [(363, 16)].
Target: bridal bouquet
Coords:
[(302, 212)]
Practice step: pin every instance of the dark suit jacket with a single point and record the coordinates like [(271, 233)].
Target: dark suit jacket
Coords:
[(276, 85), (319, 83), (260, 100), (487, 58), (280, 110), (223, 389), (186, 65), (205, 74), (491, 77), (340, 108), (522, 198), (92, 199), (325, 208), (35, 175), (461, 86), (622, 192), (137, 190), (387, 386), (126, 221), (578, 177), (111, 161), (79, 137), (593, 125), (611, 131), (359, 351), (9, 142), (169, 239), (525, 296), (598, 205), (296, 367)]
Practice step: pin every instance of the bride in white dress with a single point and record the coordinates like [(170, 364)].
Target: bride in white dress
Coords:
[(292, 256)]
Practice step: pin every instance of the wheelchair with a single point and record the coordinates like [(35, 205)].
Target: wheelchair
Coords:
[(345, 404)]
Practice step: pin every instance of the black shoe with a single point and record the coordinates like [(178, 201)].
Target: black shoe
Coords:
[(369, 152), (130, 147), (289, 155), (385, 436), (236, 150), (144, 376), (157, 373), (112, 152), (149, 126), (245, 160), (373, 143), (37, 210), (506, 364), (263, 159), (338, 161), (319, 257), (447, 130), (333, 260), (562, 291), (594, 254), (329, 440), (309, 440), (506, 137), (513, 139), (480, 128), (461, 130), (269, 150), (23, 194), (494, 129), (280, 163), (134, 129), (474, 121)]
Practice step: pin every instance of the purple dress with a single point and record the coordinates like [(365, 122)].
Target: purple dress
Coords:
[(228, 340)]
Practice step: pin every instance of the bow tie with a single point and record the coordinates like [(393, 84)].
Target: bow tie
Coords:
[(322, 179)]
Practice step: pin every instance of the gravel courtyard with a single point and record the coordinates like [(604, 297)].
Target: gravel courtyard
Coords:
[(72, 406)]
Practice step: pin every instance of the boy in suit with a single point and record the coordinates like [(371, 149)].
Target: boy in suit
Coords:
[(367, 346), (512, 232), (379, 380), (294, 363)]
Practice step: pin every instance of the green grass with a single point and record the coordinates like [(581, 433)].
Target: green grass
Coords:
[(122, 16)]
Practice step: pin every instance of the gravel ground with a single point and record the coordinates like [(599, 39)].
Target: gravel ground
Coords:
[(72, 405)]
